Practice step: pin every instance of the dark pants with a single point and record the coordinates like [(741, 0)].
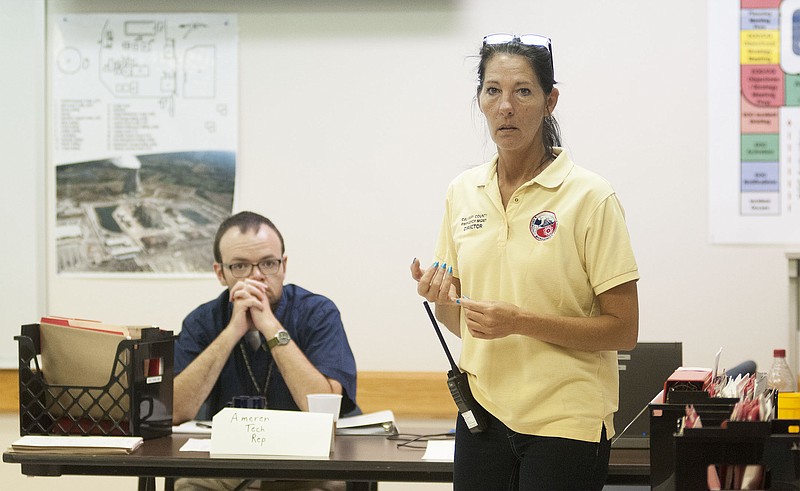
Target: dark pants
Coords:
[(500, 459)]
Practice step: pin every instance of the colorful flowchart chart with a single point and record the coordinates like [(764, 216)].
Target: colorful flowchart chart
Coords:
[(770, 107)]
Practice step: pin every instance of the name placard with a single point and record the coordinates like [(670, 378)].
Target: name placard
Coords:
[(244, 432)]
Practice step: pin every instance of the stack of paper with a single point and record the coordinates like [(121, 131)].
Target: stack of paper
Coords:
[(442, 450), (377, 423), (84, 445), (129, 332)]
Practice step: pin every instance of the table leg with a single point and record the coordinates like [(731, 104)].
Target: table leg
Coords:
[(147, 483), (361, 486)]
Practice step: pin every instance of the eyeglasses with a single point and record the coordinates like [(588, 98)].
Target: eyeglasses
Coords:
[(243, 270), (526, 39)]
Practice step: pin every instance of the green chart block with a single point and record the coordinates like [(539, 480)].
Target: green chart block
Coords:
[(792, 90), (760, 148)]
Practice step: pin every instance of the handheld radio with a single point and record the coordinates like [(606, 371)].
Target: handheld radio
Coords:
[(474, 415)]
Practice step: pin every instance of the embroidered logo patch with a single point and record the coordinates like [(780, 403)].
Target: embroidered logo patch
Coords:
[(473, 222), (543, 225)]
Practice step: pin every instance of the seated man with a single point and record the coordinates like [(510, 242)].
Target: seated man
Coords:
[(259, 337)]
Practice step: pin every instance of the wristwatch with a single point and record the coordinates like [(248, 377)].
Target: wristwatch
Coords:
[(281, 339)]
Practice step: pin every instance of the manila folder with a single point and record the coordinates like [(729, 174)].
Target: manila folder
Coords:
[(75, 356)]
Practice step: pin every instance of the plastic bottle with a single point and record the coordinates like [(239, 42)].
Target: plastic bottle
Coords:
[(780, 375)]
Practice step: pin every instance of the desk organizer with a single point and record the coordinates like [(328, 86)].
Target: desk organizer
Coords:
[(132, 403), (675, 461), (741, 443), (664, 423)]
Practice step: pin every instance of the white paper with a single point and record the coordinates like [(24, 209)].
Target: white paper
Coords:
[(144, 110), (143, 83), (443, 450), (197, 445), (368, 419), (108, 442), (379, 423), (716, 362), (263, 432), (193, 427)]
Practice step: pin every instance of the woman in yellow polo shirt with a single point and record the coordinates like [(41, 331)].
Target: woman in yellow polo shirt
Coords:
[(535, 272)]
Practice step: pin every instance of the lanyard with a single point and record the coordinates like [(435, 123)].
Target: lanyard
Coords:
[(259, 390)]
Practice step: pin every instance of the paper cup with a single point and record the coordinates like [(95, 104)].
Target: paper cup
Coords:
[(325, 403)]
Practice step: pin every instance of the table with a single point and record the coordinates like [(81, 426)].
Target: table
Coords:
[(629, 466), (360, 460)]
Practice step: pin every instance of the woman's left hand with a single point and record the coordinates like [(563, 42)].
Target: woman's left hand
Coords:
[(490, 320)]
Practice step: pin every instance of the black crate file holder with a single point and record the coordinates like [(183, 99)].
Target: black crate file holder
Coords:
[(141, 405), (665, 422), (772, 444), (779, 450)]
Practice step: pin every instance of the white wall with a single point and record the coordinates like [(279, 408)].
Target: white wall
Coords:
[(22, 194), (355, 115)]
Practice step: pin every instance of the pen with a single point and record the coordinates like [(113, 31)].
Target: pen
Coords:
[(203, 425)]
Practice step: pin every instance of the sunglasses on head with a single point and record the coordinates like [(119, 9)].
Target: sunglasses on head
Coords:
[(525, 39)]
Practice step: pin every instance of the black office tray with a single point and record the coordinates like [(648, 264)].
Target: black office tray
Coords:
[(764, 443), (664, 423), (132, 403)]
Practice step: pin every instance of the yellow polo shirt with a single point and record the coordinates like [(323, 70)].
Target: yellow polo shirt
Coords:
[(561, 242)]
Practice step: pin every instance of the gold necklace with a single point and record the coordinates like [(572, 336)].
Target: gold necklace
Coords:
[(534, 174), (544, 160)]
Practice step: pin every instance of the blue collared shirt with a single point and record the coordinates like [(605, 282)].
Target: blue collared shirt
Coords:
[(313, 322)]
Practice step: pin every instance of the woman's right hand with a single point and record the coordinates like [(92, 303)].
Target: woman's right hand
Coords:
[(436, 283)]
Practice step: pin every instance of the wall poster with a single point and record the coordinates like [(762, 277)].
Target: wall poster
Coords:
[(755, 121), (144, 124)]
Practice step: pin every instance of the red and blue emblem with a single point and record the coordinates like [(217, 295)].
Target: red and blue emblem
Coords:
[(543, 225)]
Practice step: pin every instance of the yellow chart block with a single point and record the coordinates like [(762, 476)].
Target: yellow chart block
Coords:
[(760, 47)]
